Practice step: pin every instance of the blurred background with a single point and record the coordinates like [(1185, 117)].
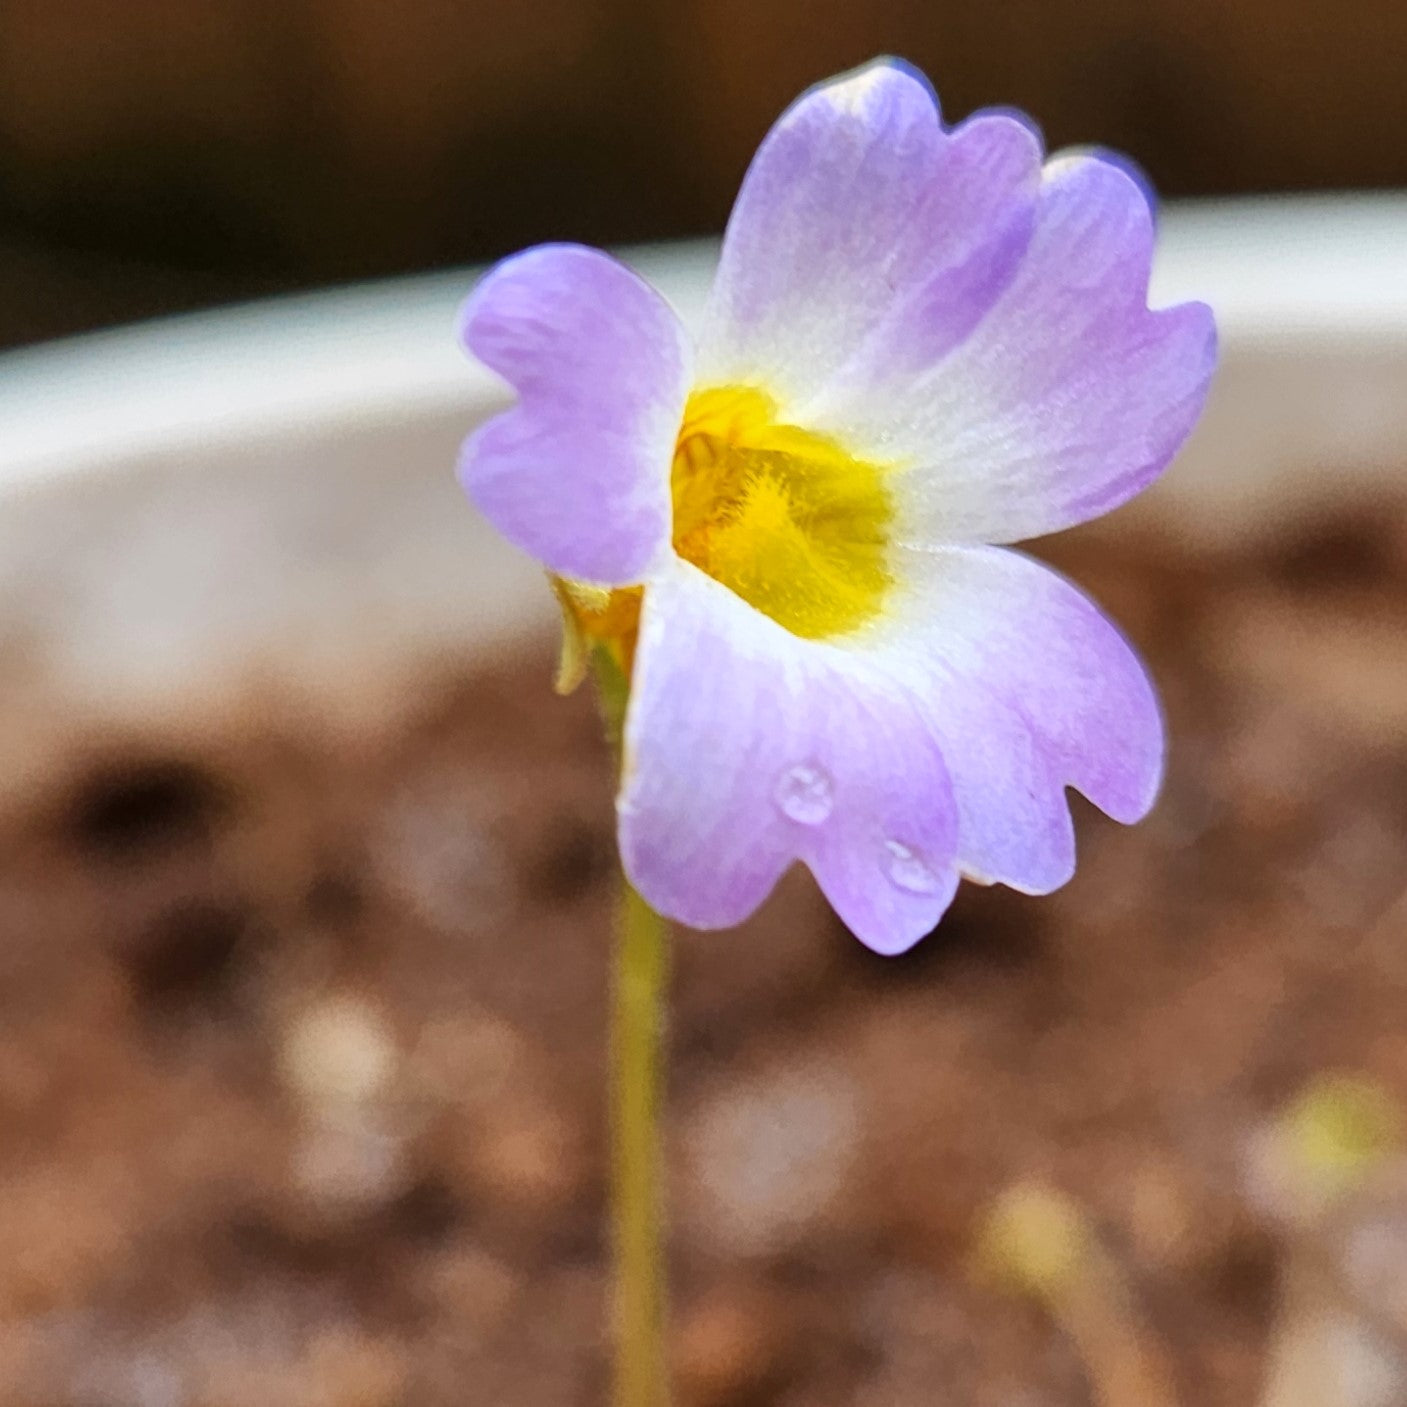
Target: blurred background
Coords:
[(307, 878), (159, 154)]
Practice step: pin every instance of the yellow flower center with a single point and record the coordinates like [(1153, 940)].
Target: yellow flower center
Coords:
[(783, 517)]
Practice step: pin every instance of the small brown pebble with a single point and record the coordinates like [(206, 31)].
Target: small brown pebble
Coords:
[(528, 1157), (768, 1154), (1166, 1217), (733, 1342), (477, 1290), (338, 1055)]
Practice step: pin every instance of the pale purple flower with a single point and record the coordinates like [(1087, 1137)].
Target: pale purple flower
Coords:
[(921, 341)]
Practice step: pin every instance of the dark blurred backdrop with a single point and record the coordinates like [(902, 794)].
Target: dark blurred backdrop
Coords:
[(157, 154)]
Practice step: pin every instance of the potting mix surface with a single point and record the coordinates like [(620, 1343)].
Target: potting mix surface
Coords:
[(303, 1044)]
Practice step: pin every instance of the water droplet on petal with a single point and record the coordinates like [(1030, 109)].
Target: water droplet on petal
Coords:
[(908, 869), (804, 793)]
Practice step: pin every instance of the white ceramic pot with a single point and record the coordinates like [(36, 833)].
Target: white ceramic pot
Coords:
[(258, 505)]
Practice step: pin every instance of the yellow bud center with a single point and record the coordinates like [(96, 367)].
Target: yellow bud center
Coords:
[(783, 517)]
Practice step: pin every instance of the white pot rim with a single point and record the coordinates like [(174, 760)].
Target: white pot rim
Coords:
[(1277, 270), (260, 501)]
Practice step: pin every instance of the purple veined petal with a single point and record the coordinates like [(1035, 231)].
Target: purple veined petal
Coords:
[(577, 473), (857, 204), (1065, 399), (1014, 824), (1029, 689), (748, 748)]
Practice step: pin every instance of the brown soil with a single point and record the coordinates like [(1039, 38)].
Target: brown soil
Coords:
[(302, 1045)]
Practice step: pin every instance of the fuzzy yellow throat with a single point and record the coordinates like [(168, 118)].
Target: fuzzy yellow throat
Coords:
[(784, 518)]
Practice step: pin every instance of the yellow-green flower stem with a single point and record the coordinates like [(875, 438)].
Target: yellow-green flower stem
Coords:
[(638, 1002), (637, 1018)]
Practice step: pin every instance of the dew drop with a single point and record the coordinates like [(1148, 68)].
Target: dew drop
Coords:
[(804, 794), (908, 869)]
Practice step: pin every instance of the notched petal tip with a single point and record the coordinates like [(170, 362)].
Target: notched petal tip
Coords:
[(1128, 798), (1199, 327), (577, 472), (683, 886), (515, 284), (859, 88), (1121, 169), (899, 928), (1001, 115), (1128, 781)]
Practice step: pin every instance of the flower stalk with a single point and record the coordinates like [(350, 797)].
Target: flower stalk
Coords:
[(638, 1003), (638, 1009)]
